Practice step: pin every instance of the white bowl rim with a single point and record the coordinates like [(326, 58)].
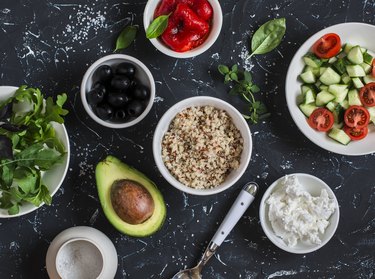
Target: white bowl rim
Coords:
[(67, 155), (269, 231), (218, 17), (126, 58), (188, 102), (291, 103)]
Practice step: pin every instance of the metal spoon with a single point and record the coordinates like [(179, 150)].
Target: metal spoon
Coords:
[(243, 201)]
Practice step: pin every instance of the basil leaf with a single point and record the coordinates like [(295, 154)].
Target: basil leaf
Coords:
[(268, 36), (126, 37), (157, 26)]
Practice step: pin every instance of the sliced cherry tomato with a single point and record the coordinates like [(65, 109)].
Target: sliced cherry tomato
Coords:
[(356, 133), (321, 119), (327, 46), (356, 116), (367, 94), (373, 68)]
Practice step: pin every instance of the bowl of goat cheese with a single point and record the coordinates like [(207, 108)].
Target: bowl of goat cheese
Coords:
[(299, 213)]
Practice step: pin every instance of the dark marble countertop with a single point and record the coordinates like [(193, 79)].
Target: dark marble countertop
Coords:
[(49, 44)]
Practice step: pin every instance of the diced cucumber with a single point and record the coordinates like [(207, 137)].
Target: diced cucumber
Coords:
[(338, 113), (323, 87), (353, 98), (323, 98), (339, 135), (331, 106), (363, 50), (329, 77), (367, 79), (346, 79), (315, 71), (311, 60), (307, 109), (340, 91), (340, 66), (366, 67), (355, 71), (348, 47), (309, 97), (332, 60), (307, 87), (338, 125), (371, 110), (309, 77), (322, 70), (345, 104), (355, 55), (367, 58), (357, 82)]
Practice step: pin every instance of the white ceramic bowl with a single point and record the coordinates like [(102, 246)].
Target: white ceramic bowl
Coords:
[(143, 74), (217, 22), (312, 185), (356, 34), (52, 178), (80, 258), (238, 121), (87, 240)]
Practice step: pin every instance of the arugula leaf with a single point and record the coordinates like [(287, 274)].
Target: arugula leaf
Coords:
[(26, 179), (42, 196), (157, 26), (54, 112), (6, 173), (126, 37), (268, 36), (14, 209)]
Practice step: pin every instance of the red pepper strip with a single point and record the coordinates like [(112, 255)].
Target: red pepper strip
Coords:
[(185, 29), (201, 7), (165, 7)]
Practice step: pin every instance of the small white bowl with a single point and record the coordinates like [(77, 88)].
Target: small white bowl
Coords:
[(217, 22), (312, 185), (80, 258), (143, 74), (54, 177), (101, 249), (238, 121)]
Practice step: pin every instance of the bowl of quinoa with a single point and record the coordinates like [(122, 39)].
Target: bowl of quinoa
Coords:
[(202, 145)]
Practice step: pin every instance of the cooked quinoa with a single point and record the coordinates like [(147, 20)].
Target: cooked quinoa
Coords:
[(201, 147)]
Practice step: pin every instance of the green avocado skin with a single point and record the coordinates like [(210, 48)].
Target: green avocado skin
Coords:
[(112, 169)]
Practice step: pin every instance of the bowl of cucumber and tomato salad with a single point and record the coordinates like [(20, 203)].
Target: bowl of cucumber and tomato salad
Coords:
[(330, 89)]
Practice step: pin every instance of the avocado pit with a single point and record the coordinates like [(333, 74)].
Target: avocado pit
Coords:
[(131, 201)]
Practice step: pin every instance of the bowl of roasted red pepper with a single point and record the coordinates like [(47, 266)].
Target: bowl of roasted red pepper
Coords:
[(190, 26)]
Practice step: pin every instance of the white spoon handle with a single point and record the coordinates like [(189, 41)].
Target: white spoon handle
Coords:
[(243, 201)]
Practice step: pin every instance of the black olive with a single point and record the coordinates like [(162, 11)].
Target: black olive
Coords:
[(120, 82), (104, 111), (117, 99), (135, 108), (120, 116), (96, 95), (126, 69), (141, 92), (103, 73)]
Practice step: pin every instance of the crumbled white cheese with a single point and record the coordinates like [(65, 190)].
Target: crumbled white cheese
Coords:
[(295, 215)]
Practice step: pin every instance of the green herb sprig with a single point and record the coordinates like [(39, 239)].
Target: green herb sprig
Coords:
[(157, 26), (242, 84), (264, 40)]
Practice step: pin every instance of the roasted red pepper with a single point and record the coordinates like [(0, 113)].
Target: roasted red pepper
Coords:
[(186, 30), (201, 7)]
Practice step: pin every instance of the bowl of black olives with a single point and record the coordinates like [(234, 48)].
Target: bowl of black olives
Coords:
[(118, 91)]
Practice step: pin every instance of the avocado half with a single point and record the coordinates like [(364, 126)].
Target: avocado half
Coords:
[(107, 173)]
